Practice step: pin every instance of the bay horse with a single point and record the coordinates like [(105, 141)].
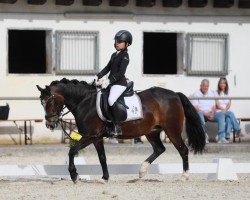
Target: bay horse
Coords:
[(162, 110)]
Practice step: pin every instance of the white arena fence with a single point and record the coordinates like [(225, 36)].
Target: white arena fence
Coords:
[(219, 169)]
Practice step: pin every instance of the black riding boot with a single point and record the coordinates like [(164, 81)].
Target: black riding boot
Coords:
[(115, 120)]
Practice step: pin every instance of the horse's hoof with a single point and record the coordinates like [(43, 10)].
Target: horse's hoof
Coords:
[(144, 169), (184, 177), (75, 178), (141, 175), (101, 181)]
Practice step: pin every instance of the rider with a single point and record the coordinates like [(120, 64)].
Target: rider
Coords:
[(117, 67)]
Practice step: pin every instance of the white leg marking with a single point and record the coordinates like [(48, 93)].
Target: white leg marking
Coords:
[(185, 176), (144, 169)]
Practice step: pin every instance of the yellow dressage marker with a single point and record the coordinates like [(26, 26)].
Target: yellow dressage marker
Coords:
[(75, 136)]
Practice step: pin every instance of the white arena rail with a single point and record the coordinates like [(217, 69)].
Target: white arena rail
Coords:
[(220, 169)]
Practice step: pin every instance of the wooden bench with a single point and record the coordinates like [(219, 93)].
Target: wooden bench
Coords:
[(26, 129)]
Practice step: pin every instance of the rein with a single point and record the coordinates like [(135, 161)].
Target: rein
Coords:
[(62, 122)]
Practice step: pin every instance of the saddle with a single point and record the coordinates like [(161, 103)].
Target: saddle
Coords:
[(121, 115)]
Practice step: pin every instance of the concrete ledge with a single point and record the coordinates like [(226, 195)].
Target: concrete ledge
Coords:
[(125, 148)]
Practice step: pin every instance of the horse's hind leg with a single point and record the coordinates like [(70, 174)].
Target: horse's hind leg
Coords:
[(177, 141), (154, 139)]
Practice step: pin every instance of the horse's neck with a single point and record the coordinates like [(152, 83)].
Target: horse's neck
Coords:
[(80, 104), (80, 110)]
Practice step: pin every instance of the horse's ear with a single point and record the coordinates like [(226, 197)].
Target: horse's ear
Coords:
[(39, 88), (47, 89)]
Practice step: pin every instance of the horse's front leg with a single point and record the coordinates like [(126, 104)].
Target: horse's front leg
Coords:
[(72, 152), (102, 158)]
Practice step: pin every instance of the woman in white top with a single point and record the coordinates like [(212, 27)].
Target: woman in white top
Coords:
[(223, 105)]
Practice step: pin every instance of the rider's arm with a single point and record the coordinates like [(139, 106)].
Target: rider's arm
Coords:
[(123, 66), (105, 70)]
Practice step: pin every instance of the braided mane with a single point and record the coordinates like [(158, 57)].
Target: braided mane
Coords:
[(67, 81), (74, 87)]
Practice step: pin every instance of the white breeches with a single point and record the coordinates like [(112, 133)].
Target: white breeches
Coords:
[(115, 93)]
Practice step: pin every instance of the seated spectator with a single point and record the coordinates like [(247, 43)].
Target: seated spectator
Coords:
[(206, 110), (223, 105)]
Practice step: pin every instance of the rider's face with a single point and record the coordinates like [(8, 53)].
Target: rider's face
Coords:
[(120, 45)]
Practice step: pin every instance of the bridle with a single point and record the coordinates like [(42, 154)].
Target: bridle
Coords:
[(58, 113)]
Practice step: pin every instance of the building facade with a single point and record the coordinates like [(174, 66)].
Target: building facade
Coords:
[(176, 44)]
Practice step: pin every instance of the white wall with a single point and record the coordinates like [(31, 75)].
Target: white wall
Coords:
[(238, 29), (157, 9)]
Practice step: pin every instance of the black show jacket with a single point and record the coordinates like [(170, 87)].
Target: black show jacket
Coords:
[(117, 67)]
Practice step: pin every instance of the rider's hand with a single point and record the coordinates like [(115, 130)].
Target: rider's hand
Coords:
[(105, 83), (96, 81), (99, 82)]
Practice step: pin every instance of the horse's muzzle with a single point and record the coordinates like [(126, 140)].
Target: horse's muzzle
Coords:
[(51, 124)]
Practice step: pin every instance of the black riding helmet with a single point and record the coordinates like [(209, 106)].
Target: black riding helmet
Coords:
[(123, 36)]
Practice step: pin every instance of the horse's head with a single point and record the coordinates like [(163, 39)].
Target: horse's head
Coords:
[(52, 103)]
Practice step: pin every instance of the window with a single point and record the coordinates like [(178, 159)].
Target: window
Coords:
[(27, 51), (77, 52), (207, 54), (159, 53)]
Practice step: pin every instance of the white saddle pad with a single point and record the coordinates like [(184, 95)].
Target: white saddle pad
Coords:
[(134, 103)]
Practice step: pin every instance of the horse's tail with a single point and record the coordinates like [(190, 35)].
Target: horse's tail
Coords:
[(194, 129)]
